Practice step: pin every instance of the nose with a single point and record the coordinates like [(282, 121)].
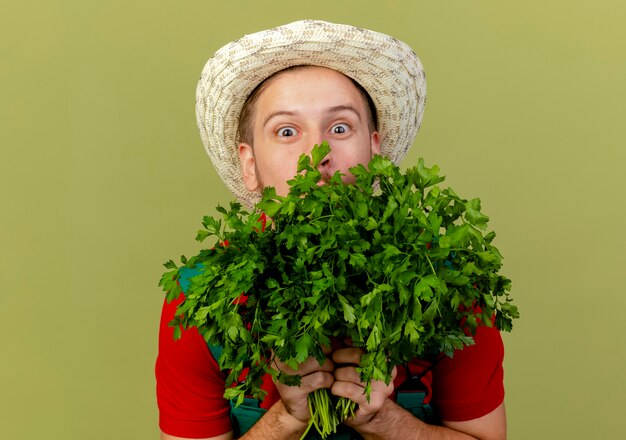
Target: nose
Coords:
[(326, 163), (316, 137)]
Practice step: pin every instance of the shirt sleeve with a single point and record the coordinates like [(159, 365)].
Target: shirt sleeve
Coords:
[(471, 384), (190, 385)]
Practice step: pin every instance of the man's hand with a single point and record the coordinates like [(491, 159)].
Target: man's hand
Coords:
[(348, 384), (314, 376)]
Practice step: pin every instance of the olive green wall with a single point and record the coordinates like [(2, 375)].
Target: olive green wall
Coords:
[(103, 177)]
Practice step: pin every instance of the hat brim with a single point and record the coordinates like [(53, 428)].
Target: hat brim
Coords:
[(385, 67)]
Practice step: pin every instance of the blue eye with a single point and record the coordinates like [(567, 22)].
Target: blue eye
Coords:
[(339, 129), (286, 132)]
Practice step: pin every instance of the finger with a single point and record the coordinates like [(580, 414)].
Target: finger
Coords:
[(355, 390), (350, 390), (394, 373), (348, 374), (348, 355), (378, 386), (312, 364), (366, 408), (308, 366), (295, 398), (317, 380)]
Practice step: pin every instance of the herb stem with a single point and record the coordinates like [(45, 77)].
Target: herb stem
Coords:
[(431, 265)]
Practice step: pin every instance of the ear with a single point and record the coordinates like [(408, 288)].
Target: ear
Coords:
[(248, 167), (375, 143)]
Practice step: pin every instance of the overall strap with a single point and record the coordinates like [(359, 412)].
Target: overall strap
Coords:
[(242, 417), (411, 394)]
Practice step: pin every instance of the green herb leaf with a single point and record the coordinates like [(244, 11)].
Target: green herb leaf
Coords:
[(399, 270)]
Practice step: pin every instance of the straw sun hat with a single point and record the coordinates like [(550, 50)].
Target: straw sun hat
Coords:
[(386, 68)]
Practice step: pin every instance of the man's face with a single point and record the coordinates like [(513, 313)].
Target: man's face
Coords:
[(298, 109)]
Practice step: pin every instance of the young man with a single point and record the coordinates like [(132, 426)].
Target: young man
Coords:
[(263, 101)]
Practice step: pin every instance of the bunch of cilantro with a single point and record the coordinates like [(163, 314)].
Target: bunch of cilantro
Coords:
[(393, 262)]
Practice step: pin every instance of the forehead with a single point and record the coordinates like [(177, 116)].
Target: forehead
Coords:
[(307, 72), (309, 84)]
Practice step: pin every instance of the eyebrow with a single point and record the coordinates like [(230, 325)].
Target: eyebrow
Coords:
[(340, 108), (333, 109), (277, 113)]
